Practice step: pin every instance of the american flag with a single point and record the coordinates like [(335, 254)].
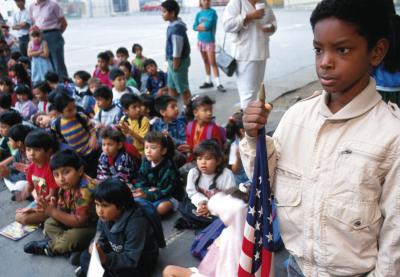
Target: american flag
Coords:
[(257, 246)]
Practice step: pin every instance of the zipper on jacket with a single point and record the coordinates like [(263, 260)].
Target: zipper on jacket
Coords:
[(360, 153)]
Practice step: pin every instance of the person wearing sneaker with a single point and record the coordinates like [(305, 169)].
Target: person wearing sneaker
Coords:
[(72, 220), (205, 24)]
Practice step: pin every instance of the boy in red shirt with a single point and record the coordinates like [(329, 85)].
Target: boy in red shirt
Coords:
[(39, 147), (102, 70)]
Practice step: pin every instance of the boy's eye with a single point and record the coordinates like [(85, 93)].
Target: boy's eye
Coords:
[(343, 50), (317, 50)]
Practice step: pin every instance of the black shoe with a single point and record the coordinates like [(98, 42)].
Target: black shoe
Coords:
[(40, 247), (221, 88), (207, 85), (75, 258)]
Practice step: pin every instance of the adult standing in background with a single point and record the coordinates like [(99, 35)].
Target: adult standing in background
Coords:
[(49, 17), (21, 24), (252, 23)]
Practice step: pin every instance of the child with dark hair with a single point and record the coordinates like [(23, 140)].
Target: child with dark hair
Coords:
[(148, 108), (15, 55), (169, 122), (26, 62), (14, 172), (235, 133), (102, 70), (41, 184), (126, 67), (127, 245), (7, 120), (122, 54), (331, 171), (19, 75), (72, 218), (52, 79), (118, 79), (75, 129), (24, 104), (114, 161), (208, 177), (6, 85), (387, 74), (139, 59), (159, 178), (177, 51), (41, 92), (83, 96), (112, 62), (38, 51), (5, 102), (156, 84), (202, 127), (109, 113), (133, 124)]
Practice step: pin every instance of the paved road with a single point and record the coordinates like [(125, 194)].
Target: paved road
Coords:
[(290, 67)]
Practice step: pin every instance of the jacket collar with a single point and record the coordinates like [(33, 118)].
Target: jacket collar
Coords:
[(119, 225), (360, 104)]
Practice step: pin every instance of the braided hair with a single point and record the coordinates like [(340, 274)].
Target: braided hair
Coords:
[(212, 148)]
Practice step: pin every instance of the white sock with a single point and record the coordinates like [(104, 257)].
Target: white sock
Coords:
[(217, 81), (208, 78)]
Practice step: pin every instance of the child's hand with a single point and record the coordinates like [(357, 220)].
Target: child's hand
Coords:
[(99, 126), (102, 255), (139, 193), (46, 206), (202, 209), (255, 117), (4, 171), (161, 91), (185, 148), (176, 63), (93, 143), (26, 210), (124, 127), (21, 167)]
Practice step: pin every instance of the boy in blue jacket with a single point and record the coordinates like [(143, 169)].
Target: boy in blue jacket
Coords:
[(177, 51), (127, 244)]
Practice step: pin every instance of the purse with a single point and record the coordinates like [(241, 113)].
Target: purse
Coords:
[(225, 61)]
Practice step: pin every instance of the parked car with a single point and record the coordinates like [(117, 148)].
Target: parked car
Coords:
[(151, 6)]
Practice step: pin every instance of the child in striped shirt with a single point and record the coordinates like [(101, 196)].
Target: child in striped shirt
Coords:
[(75, 130)]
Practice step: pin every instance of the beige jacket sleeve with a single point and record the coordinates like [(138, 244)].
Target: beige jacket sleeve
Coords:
[(388, 261), (247, 149)]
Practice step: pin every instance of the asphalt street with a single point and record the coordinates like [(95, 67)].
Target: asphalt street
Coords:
[(291, 66)]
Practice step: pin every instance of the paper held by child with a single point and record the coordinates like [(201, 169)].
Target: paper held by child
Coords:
[(17, 231), (95, 267)]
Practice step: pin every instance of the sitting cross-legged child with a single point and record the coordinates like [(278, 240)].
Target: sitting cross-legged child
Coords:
[(114, 160), (72, 218), (159, 178), (41, 184), (127, 245)]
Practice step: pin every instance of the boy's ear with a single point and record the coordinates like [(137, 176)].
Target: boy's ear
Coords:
[(162, 112), (81, 171), (379, 51), (164, 151)]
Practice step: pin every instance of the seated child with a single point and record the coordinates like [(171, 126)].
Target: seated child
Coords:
[(102, 70), (133, 124), (122, 54), (7, 119), (72, 218), (24, 104), (235, 133), (207, 178), (222, 258), (115, 161), (170, 122), (202, 127), (41, 184), (126, 67), (75, 130), (148, 108), (156, 83), (158, 176), (7, 86), (127, 245), (41, 92), (108, 113), (117, 77), (83, 96), (14, 173)]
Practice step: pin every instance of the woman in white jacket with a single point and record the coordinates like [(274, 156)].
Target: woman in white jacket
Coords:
[(252, 24)]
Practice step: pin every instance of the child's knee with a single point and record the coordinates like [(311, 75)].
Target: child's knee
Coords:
[(164, 208), (21, 218)]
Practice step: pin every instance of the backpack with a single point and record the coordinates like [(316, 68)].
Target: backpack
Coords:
[(209, 133), (205, 238), (150, 212)]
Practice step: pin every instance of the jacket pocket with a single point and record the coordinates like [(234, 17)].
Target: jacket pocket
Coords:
[(288, 200), (350, 232)]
